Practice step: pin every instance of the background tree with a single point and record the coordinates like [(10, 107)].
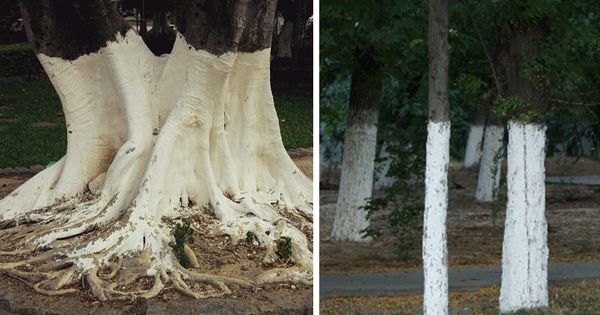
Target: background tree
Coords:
[(350, 31)]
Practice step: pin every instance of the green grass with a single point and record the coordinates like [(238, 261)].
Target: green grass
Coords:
[(27, 102), (295, 120), (21, 104)]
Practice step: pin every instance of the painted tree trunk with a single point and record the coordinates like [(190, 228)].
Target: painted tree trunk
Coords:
[(358, 160), (490, 168), (152, 140), (382, 180), (435, 253), (474, 140), (525, 251)]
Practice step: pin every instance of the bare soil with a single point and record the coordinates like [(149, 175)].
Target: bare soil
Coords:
[(572, 212), (216, 254)]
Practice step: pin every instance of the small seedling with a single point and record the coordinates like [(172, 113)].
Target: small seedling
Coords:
[(183, 233), (284, 247), (251, 239)]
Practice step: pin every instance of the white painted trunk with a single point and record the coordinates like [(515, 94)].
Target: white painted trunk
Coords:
[(164, 137), (382, 180), (435, 252), (473, 149), (490, 167), (525, 249), (356, 181)]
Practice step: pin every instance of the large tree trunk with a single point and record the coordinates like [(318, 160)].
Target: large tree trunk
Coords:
[(473, 148), (525, 249), (193, 134), (490, 168), (360, 145), (435, 252)]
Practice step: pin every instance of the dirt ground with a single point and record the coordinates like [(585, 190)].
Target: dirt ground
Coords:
[(216, 254), (572, 211), (567, 298)]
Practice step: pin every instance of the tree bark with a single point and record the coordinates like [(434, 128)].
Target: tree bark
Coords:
[(474, 140), (488, 181), (525, 250), (435, 253), (360, 143), (185, 135)]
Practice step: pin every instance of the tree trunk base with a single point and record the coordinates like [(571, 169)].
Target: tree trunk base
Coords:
[(525, 250), (157, 138)]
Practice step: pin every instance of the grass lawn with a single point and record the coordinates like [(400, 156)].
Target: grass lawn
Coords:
[(581, 298), (32, 125)]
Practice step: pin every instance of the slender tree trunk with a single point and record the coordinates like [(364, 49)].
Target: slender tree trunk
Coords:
[(525, 250), (473, 148), (151, 140), (490, 168), (435, 253), (285, 40), (360, 143)]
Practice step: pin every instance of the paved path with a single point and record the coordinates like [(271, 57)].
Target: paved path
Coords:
[(395, 283), (577, 180)]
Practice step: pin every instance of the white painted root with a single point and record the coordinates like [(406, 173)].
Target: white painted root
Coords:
[(157, 137), (435, 252), (490, 168), (525, 249)]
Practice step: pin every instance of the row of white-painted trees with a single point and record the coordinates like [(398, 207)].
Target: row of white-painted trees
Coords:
[(525, 252)]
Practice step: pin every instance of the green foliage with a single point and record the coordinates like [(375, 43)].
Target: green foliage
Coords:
[(284, 247), (183, 233), (18, 60), (404, 197), (251, 238), (499, 204), (515, 108)]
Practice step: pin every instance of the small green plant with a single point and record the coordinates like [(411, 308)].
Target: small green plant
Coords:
[(284, 247), (499, 203), (515, 108), (183, 233), (251, 239)]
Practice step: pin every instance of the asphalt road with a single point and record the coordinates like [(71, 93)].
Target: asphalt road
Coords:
[(396, 283)]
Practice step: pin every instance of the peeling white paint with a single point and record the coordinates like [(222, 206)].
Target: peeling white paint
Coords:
[(435, 252), (525, 249), (356, 182), (490, 168), (473, 149)]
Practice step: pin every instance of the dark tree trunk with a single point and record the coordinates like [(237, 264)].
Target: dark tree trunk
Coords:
[(69, 29), (517, 46), (365, 91), (438, 61), (219, 26)]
